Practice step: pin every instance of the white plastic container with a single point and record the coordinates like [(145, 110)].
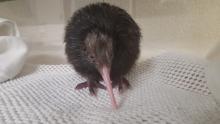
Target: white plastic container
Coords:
[(12, 50)]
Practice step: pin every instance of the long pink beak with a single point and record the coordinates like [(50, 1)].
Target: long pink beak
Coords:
[(105, 72)]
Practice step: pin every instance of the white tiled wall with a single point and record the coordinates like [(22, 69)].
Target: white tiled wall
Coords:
[(76, 4), (35, 12), (180, 25)]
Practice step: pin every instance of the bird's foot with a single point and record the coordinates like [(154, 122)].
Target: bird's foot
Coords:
[(122, 83), (91, 85)]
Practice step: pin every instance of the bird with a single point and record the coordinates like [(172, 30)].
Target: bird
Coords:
[(102, 43)]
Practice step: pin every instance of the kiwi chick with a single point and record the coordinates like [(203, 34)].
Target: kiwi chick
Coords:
[(102, 43)]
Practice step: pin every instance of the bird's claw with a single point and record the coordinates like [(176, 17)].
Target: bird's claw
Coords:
[(91, 85), (81, 85), (122, 83)]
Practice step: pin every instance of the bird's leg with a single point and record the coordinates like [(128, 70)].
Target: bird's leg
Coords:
[(122, 84), (92, 85), (92, 88)]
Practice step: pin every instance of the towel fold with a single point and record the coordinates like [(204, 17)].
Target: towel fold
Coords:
[(12, 50)]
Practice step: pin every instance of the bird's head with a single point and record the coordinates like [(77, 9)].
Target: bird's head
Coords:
[(99, 50)]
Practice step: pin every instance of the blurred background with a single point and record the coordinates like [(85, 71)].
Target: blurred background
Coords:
[(188, 26)]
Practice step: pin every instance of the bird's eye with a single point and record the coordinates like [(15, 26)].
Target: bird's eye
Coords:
[(111, 54), (92, 58)]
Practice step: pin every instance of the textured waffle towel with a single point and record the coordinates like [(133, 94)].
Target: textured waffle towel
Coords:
[(168, 89)]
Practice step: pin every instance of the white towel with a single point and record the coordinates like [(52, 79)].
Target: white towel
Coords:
[(12, 50), (213, 71), (167, 89)]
